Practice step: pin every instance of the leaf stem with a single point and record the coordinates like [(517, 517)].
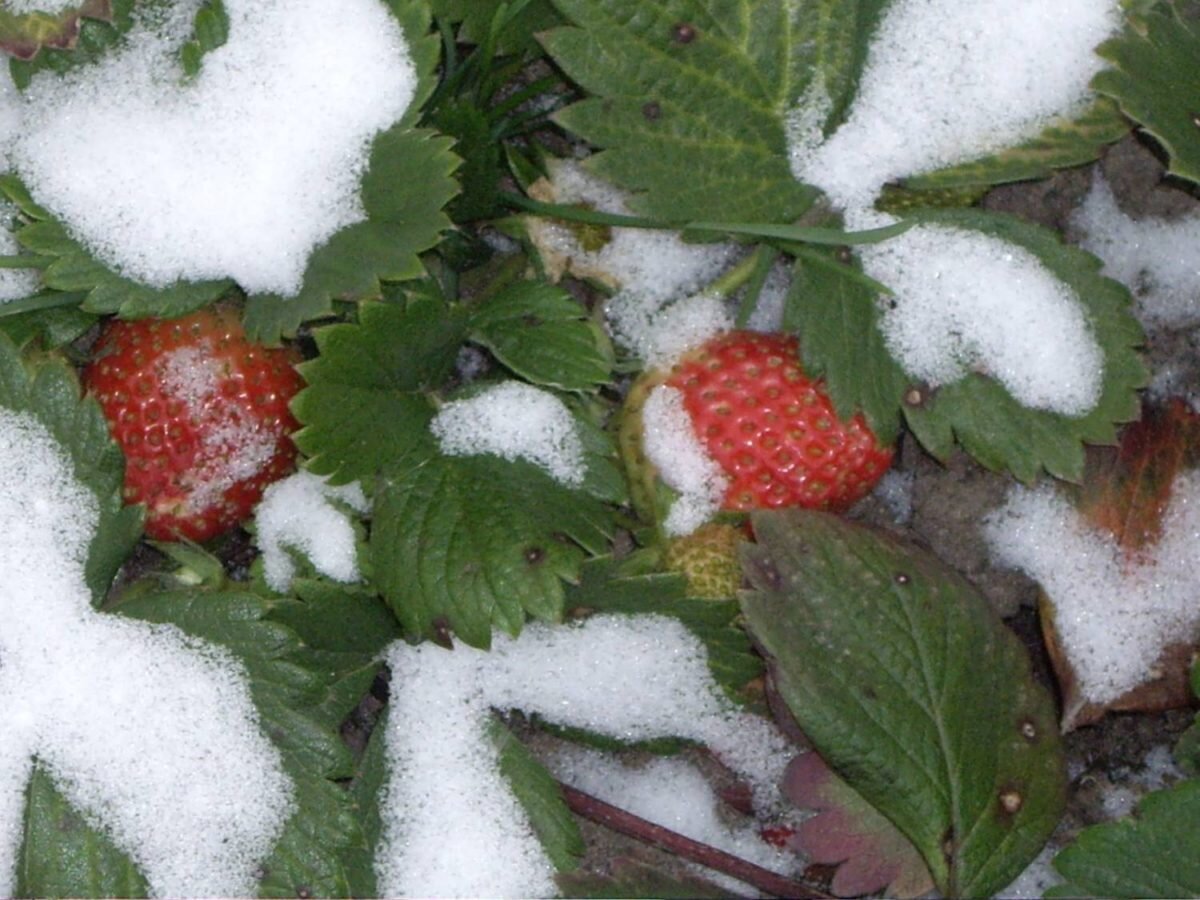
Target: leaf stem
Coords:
[(612, 817)]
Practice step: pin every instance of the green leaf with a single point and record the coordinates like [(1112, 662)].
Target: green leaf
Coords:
[(475, 542), (62, 856), (987, 421), (540, 797), (363, 407), (319, 841), (366, 790), (1156, 81), (543, 335), (48, 389), (690, 98), (1069, 142), (24, 35), (211, 31), (476, 18), (482, 166), (1153, 853), (912, 689), (837, 318)]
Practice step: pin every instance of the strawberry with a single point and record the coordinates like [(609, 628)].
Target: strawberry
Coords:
[(708, 559), (770, 428), (201, 414)]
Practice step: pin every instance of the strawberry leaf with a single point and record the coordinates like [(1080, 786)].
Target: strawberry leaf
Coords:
[(62, 856), (24, 35), (1155, 80), (364, 405), (994, 427), (288, 687), (49, 390), (1153, 853), (476, 18), (690, 99), (543, 335), (912, 689), (475, 542), (872, 856)]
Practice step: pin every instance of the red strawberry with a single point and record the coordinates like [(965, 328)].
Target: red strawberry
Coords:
[(201, 414), (770, 428)]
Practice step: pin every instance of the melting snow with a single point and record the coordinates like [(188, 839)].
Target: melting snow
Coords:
[(948, 81), (514, 421), (1113, 616), (966, 301), (671, 445), (240, 172), (297, 512), (451, 826), (1157, 259), (130, 719)]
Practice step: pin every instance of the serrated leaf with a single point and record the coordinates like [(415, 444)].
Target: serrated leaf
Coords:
[(836, 317), (542, 334), (1156, 81), (23, 35), (1153, 853), (690, 98), (318, 842), (871, 855), (61, 855), (987, 421), (482, 166), (363, 408), (632, 586), (475, 542), (1069, 142), (912, 689), (540, 797)]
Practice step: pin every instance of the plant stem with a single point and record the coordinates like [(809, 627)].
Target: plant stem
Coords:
[(627, 823)]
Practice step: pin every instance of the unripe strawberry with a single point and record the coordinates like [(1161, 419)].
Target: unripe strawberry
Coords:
[(201, 414), (770, 429), (708, 559)]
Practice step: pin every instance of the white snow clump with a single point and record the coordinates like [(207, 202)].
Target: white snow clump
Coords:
[(241, 171), (451, 825), (514, 421), (671, 445), (297, 512), (151, 734)]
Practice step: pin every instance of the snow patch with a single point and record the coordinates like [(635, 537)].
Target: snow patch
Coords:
[(948, 81), (671, 445), (451, 826), (965, 301), (514, 421), (15, 284), (1113, 616), (1157, 259), (298, 512), (659, 333), (240, 172), (128, 718)]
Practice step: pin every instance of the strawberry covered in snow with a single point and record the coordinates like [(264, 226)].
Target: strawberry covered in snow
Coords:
[(736, 424), (201, 414)]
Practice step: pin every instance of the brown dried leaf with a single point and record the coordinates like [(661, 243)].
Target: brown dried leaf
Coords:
[(24, 35)]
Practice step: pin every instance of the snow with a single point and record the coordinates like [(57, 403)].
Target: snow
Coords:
[(20, 7), (671, 792), (1157, 259), (965, 301), (234, 447), (671, 445), (450, 824), (129, 718), (299, 512), (514, 421), (240, 172), (14, 283), (948, 81), (1113, 615), (659, 309)]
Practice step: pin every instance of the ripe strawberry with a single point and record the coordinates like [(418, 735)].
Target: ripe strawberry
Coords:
[(201, 415), (770, 428)]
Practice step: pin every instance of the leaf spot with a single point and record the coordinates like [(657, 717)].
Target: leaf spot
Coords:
[(1029, 730), (917, 395), (1196, 119), (1011, 802), (652, 111), (903, 578), (683, 33), (534, 555)]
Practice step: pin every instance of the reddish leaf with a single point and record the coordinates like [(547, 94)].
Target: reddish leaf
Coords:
[(871, 855), (23, 36)]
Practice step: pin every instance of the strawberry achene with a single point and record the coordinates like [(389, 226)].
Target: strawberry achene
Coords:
[(201, 414), (772, 429)]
